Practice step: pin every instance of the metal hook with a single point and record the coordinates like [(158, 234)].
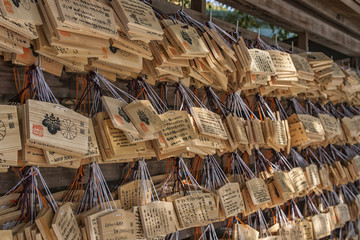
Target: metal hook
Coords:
[(237, 25), (258, 33), (292, 46), (210, 15), (275, 39), (182, 5), (39, 61)]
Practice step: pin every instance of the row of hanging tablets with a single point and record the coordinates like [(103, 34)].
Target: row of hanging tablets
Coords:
[(134, 38), (323, 177), (123, 127), (284, 198)]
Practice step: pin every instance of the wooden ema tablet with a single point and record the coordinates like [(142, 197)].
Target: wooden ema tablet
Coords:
[(65, 225), (209, 123), (258, 192), (43, 223), (244, 231), (352, 125), (9, 129), (138, 19), (144, 117), (92, 226), (120, 120), (298, 179), (187, 39), (331, 126), (6, 235), (312, 176), (131, 194), (9, 158), (282, 61), (52, 16), (119, 58), (311, 124), (261, 62), (14, 37), (298, 134), (196, 210), (279, 135), (25, 28), (56, 128), (116, 225), (231, 199), (158, 218), (178, 129), (120, 145), (22, 11), (136, 47), (321, 225), (236, 126), (342, 213), (93, 150), (139, 228), (283, 184), (90, 15), (287, 232)]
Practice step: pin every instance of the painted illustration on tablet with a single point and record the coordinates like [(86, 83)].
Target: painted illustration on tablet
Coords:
[(123, 115), (52, 123), (68, 129), (186, 37), (2, 130), (143, 117)]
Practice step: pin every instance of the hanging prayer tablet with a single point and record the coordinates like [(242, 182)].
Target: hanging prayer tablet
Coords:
[(65, 225), (283, 184), (312, 175), (258, 192), (209, 123), (158, 218), (129, 194), (56, 128), (120, 120), (144, 117), (342, 213), (9, 129), (321, 225), (116, 225), (89, 15), (298, 179), (304, 230), (243, 231), (198, 209), (231, 199), (178, 129), (324, 178)]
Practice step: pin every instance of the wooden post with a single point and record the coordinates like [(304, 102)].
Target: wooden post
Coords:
[(303, 41), (199, 6)]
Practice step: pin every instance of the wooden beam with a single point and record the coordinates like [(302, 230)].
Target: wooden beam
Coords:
[(171, 8), (335, 12), (303, 41), (199, 6), (355, 6), (285, 15)]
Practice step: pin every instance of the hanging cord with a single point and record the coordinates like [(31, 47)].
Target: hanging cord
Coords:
[(31, 197), (73, 194), (35, 87), (215, 176), (96, 87), (215, 102), (240, 168), (153, 97), (97, 193)]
